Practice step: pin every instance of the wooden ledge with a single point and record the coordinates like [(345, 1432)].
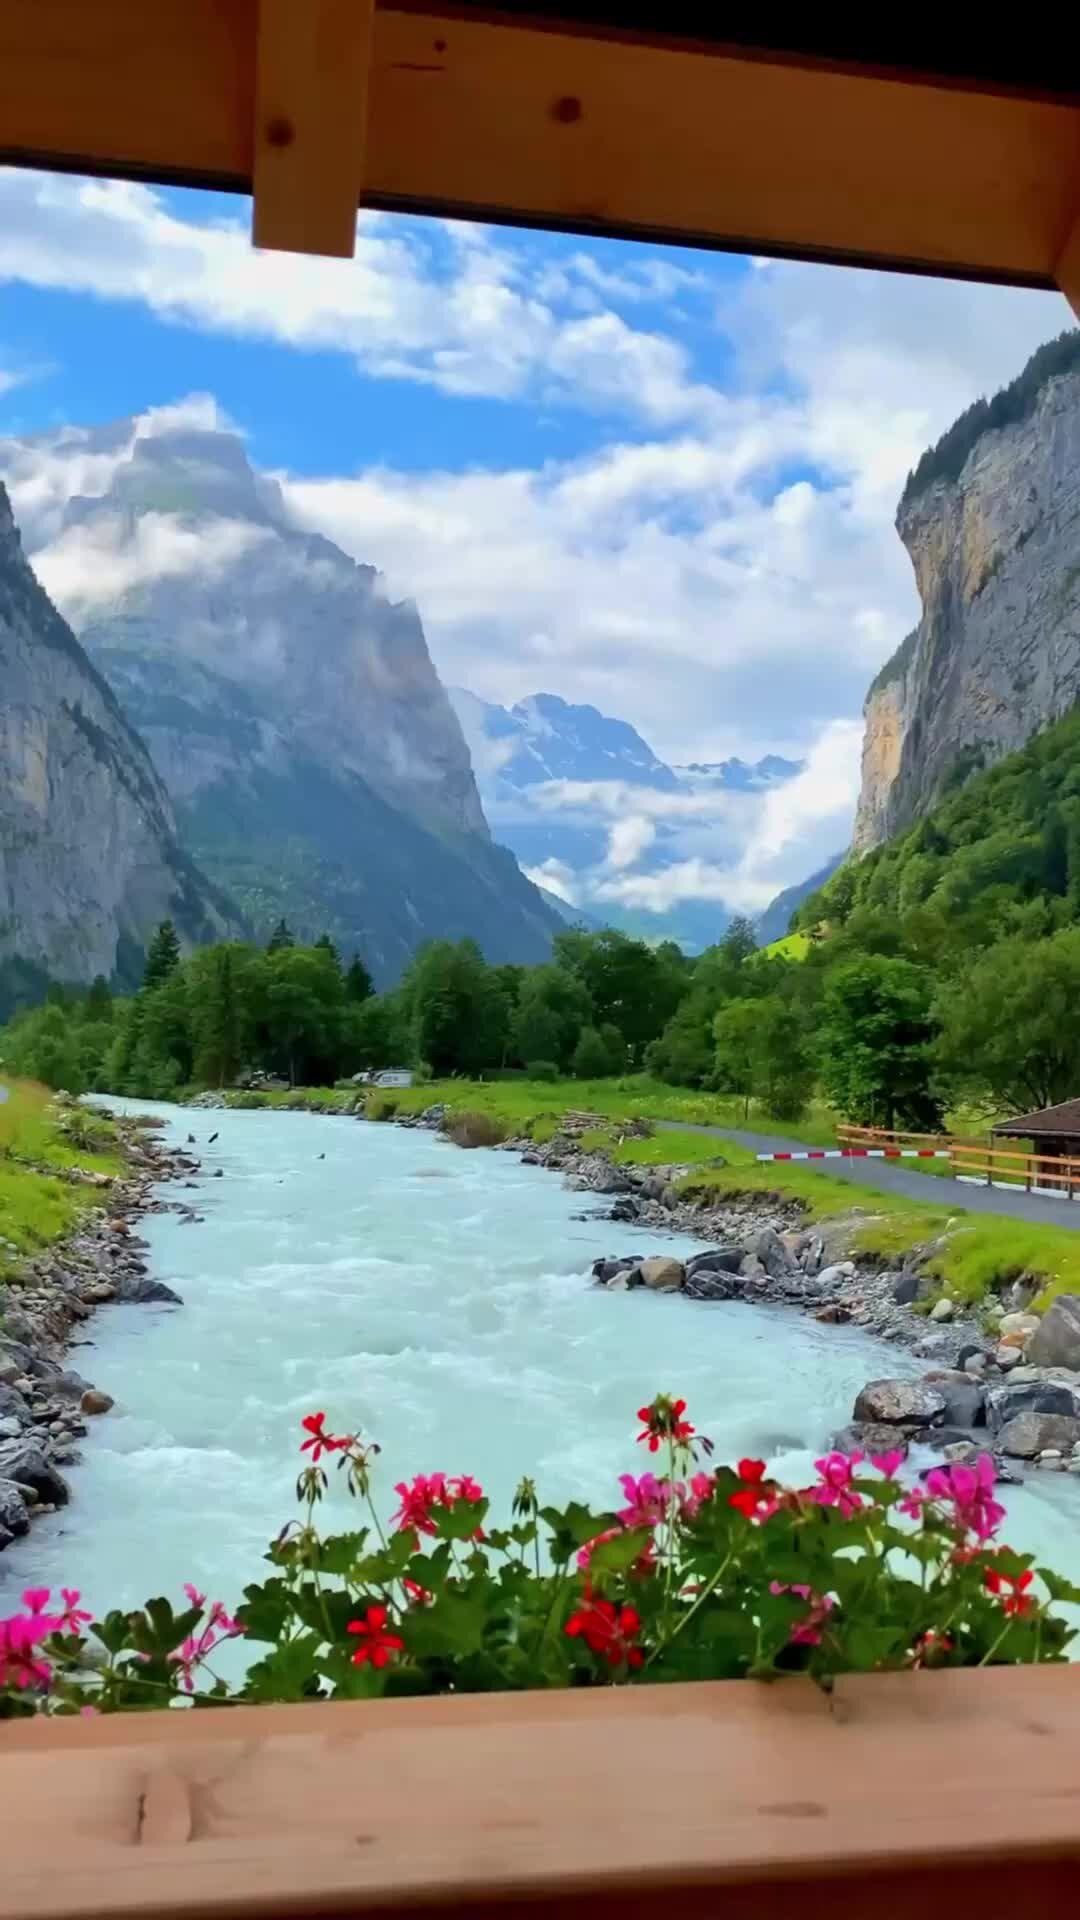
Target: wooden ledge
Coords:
[(895, 1790)]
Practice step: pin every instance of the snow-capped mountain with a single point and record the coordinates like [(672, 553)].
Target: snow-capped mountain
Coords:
[(597, 817)]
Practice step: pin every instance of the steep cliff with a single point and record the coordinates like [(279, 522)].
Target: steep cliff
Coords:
[(991, 520), (316, 765), (89, 858)]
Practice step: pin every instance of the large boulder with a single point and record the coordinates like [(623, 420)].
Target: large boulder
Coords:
[(903, 1403), (14, 1518), (1056, 1340), (138, 1289), (1035, 1396), (606, 1268), (867, 1436), (23, 1461), (965, 1400), (663, 1274), (773, 1255), (714, 1283), (13, 1405), (1029, 1434), (716, 1260)]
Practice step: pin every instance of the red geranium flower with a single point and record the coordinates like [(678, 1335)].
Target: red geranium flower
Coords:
[(663, 1420), (754, 1497), (1019, 1600), (376, 1644), (608, 1630), (319, 1441)]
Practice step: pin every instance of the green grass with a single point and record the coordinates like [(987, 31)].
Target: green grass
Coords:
[(37, 1207), (793, 946)]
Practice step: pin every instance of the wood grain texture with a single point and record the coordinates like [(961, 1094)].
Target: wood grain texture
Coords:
[(966, 1782), (312, 66), (507, 121)]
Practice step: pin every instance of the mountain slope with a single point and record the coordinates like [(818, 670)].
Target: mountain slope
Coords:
[(991, 520), (89, 856), (774, 923), (1008, 840), (293, 710)]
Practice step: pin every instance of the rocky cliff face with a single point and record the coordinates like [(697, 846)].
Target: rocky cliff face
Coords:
[(993, 530), (89, 858), (316, 765)]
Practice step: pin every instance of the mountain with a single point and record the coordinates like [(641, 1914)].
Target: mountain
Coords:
[(544, 738), (589, 808), (316, 765), (991, 520), (90, 861), (774, 923)]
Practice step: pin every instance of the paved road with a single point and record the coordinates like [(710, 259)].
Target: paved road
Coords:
[(888, 1177)]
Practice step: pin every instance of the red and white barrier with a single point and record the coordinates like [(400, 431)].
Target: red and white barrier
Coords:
[(863, 1153)]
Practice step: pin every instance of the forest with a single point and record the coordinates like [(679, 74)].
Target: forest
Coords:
[(943, 967)]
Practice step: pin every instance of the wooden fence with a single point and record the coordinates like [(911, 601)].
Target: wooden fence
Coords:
[(893, 1794), (974, 1159)]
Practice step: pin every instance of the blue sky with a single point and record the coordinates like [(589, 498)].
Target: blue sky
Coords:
[(657, 480)]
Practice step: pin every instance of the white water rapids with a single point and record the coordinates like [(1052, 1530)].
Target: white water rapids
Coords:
[(440, 1301)]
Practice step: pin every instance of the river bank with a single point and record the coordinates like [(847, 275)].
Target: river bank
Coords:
[(49, 1299)]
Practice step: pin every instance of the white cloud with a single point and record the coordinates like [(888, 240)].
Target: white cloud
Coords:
[(725, 575), (440, 303), (629, 839), (557, 877), (94, 565)]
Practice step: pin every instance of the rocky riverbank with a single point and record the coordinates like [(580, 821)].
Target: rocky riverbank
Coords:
[(1001, 1379), (45, 1307)]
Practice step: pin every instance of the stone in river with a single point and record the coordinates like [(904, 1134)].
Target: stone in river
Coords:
[(1029, 1434), (867, 1436), (14, 1518), (23, 1460), (716, 1260), (1038, 1396), (94, 1401), (141, 1290), (908, 1403), (663, 1274), (1056, 1340)]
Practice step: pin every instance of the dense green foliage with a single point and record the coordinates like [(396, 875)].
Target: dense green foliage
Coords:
[(945, 460)]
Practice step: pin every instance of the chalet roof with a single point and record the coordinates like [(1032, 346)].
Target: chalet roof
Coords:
[(891, 143), (1060, 1120)]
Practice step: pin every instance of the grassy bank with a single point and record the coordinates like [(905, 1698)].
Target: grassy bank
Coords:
[(37, 1204)]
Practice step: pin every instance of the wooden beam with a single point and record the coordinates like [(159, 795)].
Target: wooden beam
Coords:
[(928, 1793), (1067, 266), (311, 82), (500, 119)]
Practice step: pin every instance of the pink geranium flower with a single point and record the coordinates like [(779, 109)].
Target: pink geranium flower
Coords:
[(889, 1463), (647, 1499), (806, 1633), (74, 1617), (21, 1665), (835, 1489), (969, 1491)]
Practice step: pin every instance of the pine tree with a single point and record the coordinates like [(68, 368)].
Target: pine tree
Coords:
[(358, 982), (218, 1042), (99, 1002), (324, 944), (280, 938), (163, 955)]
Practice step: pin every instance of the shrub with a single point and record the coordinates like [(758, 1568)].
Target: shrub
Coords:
[(248, 1100), (474, 1129), (542, 1070), (699, 1573), (380, 1106), (592, 1058)]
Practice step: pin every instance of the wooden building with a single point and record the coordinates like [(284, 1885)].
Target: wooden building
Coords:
[(1053, 1131)]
